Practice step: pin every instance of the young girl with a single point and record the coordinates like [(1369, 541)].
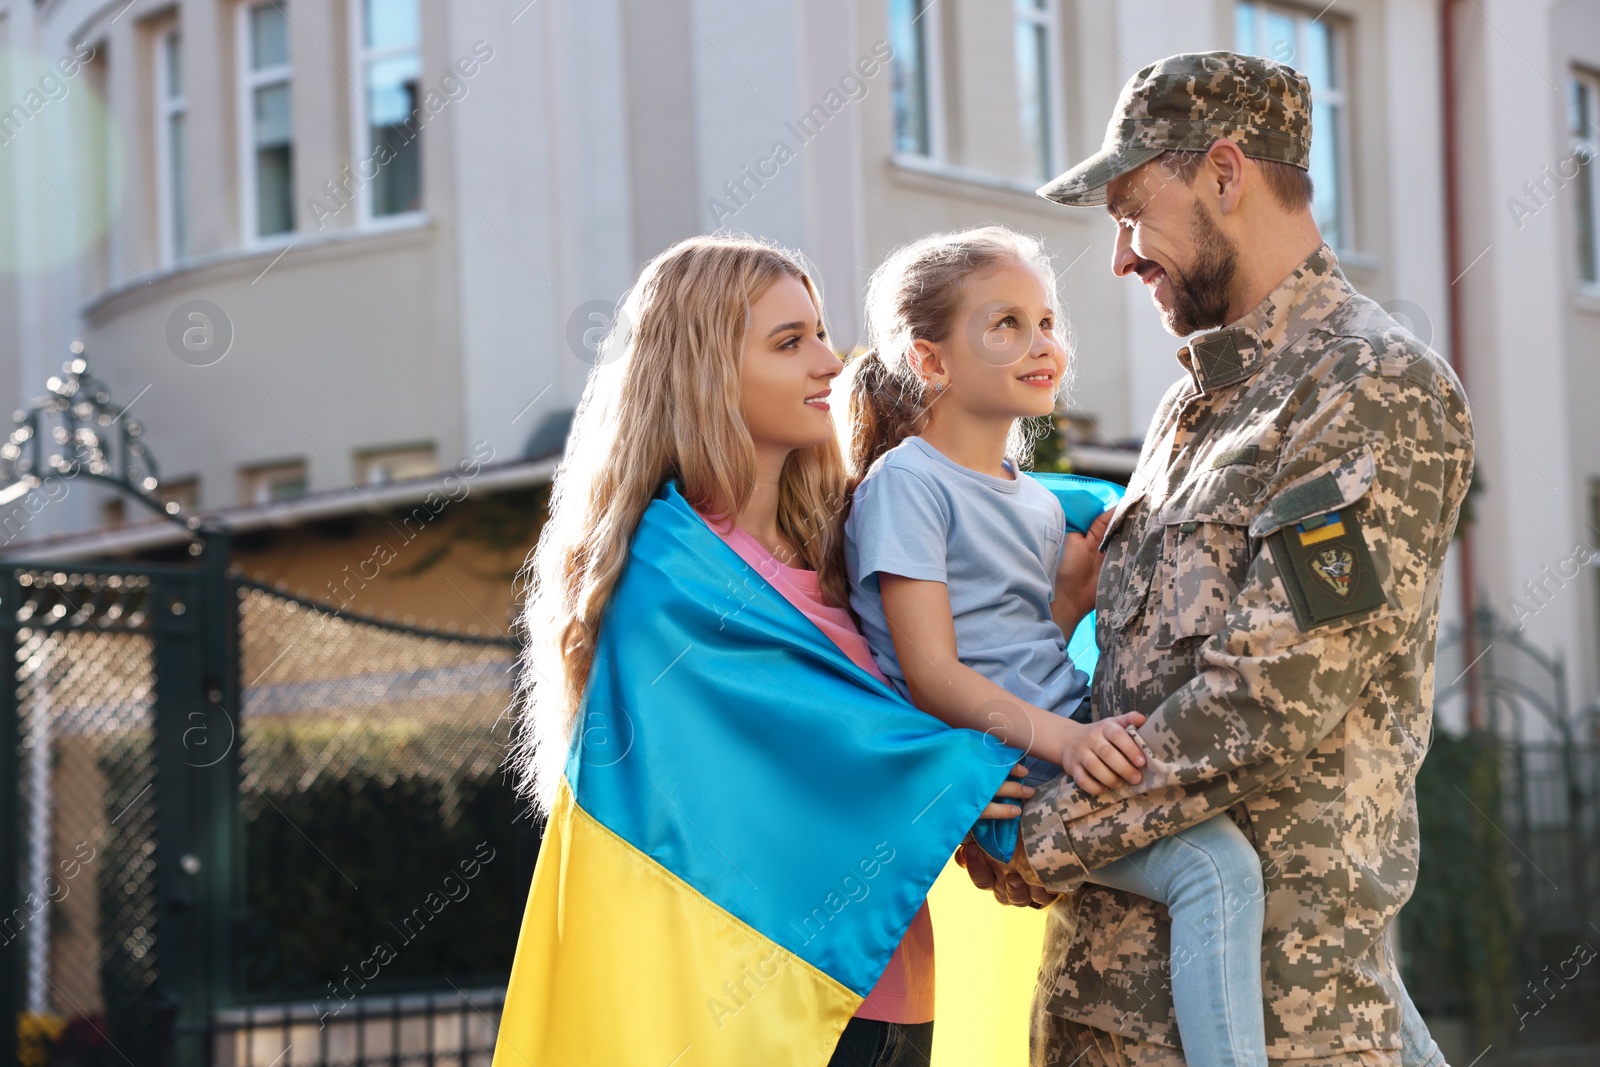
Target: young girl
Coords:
[(710, 431), (952, 555)]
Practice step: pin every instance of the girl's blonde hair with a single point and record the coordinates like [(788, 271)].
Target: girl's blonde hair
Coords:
[(914, 296), (662, 402)]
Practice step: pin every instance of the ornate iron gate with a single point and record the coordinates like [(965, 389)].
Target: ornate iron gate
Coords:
[(241, 827)]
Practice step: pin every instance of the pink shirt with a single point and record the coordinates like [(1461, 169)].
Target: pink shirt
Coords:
[(905, 992)]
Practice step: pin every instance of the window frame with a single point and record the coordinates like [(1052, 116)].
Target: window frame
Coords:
[(258, 481), (1587, 140), (248, 81), (370, 461), (933, 62), (1340, 33), (1055, 80), (166, 108), (360, 148)]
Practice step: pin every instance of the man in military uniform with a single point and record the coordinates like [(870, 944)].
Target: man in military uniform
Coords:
[(1270, 591)]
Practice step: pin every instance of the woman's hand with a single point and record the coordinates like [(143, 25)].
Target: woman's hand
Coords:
[(997, 810), (1078, 575)]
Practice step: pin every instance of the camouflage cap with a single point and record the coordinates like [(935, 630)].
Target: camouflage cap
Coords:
[(1184, 103)]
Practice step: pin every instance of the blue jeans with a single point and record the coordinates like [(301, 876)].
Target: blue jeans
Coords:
[(1209, 877)]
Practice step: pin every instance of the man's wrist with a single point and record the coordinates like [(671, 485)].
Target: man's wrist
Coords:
[(1044, 855), (1019, 862)]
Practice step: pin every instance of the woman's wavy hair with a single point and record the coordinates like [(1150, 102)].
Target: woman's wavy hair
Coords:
[(662, 402), (914, 296)]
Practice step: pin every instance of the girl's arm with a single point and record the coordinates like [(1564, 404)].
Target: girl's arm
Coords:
[(1098, 755)]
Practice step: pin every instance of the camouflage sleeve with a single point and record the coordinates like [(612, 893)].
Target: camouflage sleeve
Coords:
[(1270, 684)]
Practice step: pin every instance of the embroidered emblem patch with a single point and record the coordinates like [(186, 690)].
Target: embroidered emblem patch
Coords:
[(1336, 567), (1326, 567)]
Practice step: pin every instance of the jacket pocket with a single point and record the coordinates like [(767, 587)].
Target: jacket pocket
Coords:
[(1125, 575), (1339, 483), (1205, 558), (1206, 550)]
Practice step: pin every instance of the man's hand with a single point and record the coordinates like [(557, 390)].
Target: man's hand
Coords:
[(1009, 887), (1078, 575)]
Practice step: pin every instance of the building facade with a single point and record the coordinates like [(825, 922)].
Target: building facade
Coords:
[(325, 245)]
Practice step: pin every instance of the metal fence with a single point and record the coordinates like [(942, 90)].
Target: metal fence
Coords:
[(81, 926), (249, 828), (1507, 912), (422, 1029), (370, 760)]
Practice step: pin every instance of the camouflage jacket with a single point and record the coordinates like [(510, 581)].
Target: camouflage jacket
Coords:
[(1270, 600)]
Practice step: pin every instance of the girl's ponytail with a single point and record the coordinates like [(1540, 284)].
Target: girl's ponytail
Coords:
[(884, 408)]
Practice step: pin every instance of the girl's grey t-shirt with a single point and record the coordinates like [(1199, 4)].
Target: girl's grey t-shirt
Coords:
[(994, 542)]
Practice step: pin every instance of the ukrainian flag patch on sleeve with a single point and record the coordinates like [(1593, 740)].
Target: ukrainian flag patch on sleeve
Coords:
[(1327, 568)]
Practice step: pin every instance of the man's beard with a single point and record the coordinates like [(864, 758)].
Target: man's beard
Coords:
[(1200, 296)]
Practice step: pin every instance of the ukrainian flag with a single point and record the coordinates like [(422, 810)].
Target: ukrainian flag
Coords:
[(746, 826)]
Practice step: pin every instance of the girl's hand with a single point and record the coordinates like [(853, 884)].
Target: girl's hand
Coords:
[(1078, 575), (1101, 755), (997, 810)]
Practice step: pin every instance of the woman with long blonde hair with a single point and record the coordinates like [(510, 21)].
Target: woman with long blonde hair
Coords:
[(744, 817)]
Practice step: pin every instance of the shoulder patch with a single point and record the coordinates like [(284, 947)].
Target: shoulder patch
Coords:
[(1326, 567)]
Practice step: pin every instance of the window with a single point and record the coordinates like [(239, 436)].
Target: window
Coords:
[(184, 492), (99, 152), (382, 466), (267, 122), (1594, 525), (1007, 56), (1037, 87), (172, 148), (387, 146), (1581, 123), (273, 482), (914, 38), (1315, 47)]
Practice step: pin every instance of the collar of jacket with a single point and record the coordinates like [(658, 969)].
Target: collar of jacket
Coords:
[(1234, 353)]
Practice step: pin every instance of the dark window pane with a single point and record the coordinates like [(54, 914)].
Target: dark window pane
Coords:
[(269, 36), (1588, 267), (1244, 29), (1319, 67), (1033, 89), (907, 29), (178, 165), (274, 153), (394, 140), (1325, 176), (1281, 38), (389, 23), (174, 49)]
